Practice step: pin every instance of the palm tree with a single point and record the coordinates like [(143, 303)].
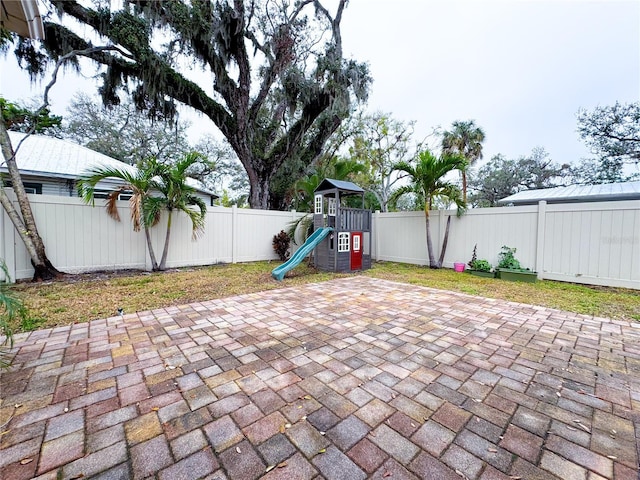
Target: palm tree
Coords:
[(178, 195), (465, 139), (428, 182), (140, 182)]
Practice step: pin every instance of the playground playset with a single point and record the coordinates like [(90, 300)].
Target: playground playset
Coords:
[(342, 235)]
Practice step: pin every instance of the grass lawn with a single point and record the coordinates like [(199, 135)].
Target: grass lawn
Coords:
[(82, 298)]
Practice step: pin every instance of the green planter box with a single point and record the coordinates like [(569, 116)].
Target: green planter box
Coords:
[(517, 275), (479, 273)]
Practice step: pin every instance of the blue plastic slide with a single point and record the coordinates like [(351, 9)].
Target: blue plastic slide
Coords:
[(311, 243)]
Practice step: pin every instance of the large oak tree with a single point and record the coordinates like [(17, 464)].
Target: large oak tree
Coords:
[(278, 85)]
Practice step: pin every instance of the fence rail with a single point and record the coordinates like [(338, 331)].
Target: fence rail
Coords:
[(593, 243)]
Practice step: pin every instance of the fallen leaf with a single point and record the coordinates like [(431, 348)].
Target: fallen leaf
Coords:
[(25, 461), (155, 409), (282, 428), (282, 464), (585, 428), (322, 450)]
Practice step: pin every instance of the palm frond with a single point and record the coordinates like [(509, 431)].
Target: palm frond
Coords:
[(111, 205), (152, 208)]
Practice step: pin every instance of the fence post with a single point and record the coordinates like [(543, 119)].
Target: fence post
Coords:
[(375, 224), (234, 233), (542, 218)]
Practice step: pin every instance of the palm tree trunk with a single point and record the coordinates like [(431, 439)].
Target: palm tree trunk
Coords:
[(464, 186), (152, 255), (444, 242), (432, 259), (163, 261), (43, 269)]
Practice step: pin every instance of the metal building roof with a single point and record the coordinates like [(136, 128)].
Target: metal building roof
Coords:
[(577, 193), (344, 186), (43, 156), (22, 17)]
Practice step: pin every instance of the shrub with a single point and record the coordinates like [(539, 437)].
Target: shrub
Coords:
[(480, 265), (507, 259), (11, 309), (474, 257), (281, 244)]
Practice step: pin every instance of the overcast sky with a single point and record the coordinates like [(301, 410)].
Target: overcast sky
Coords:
[(520, 69)]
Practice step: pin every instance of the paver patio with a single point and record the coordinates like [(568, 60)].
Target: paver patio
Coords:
[(349, 379)]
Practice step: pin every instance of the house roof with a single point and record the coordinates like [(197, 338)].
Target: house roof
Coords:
[(43, 156), (343, 186), (22, 17), (577, 193)]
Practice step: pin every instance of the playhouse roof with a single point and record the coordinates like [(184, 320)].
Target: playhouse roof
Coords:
[(343, 186), (577, 193)]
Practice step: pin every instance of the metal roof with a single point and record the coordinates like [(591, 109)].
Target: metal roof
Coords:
[(22, 17), (43, 156), (577, 193), (343, 186)]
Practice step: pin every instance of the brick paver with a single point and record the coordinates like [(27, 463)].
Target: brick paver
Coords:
[(352, 378)]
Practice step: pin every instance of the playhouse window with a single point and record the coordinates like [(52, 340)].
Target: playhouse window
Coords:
[(318, 204), (343, 242), (332, 207)]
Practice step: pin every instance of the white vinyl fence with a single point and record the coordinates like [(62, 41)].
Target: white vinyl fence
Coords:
[(591, 243), (82, 238), (596, 243)]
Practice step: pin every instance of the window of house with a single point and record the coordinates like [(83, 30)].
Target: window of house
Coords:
[(343, 241), (104, 194), (318, 204), (29, 187)]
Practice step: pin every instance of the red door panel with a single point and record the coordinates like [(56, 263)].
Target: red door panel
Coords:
[(356, 251)]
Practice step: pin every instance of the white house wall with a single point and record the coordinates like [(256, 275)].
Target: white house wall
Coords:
[(592, 243)]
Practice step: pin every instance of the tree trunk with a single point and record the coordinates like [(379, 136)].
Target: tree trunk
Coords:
[(432, 259), (165, 251), (259, 192), (43, 269), (152, 255), (18, 223), (444, 242), (464, 186)]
